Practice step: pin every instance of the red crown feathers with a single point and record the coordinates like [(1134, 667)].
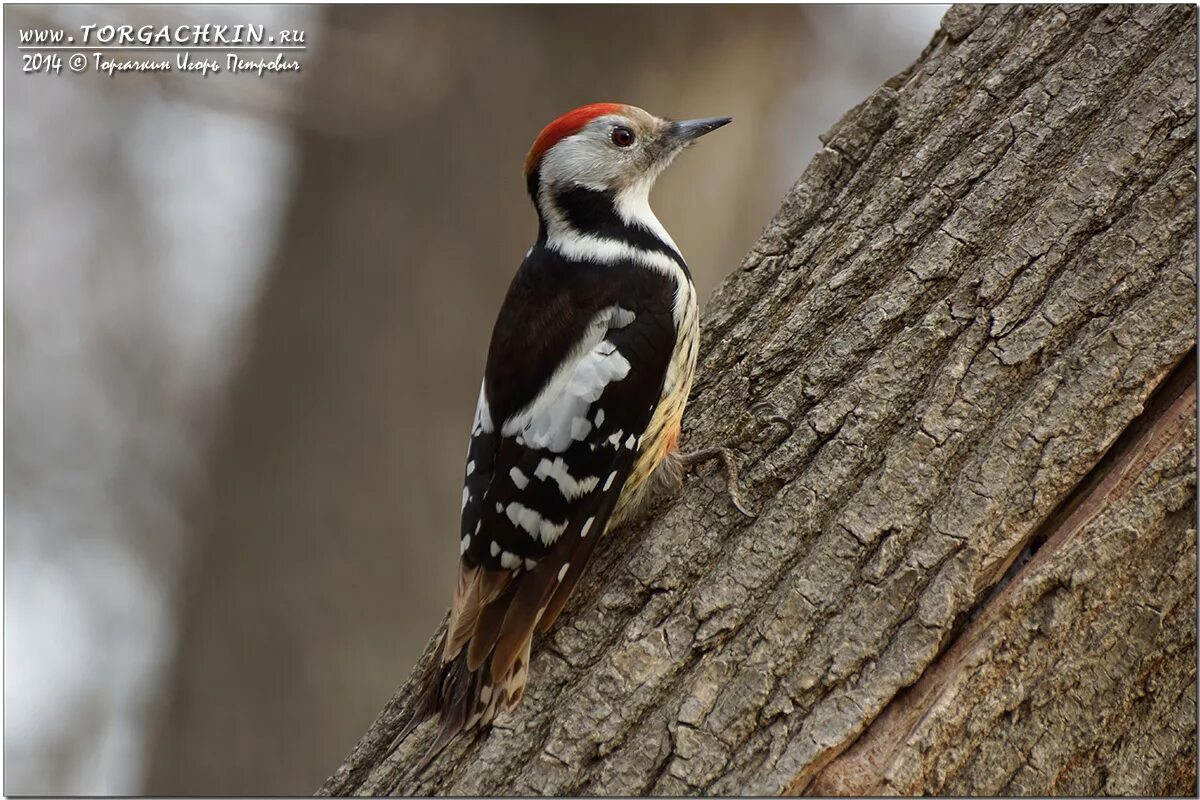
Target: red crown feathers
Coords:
[(569, 123)]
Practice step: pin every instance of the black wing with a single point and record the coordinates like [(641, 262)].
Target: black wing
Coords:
[(575, 371), (548, 457)]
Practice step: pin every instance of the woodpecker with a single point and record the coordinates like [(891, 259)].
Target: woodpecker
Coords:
[(588, 372)]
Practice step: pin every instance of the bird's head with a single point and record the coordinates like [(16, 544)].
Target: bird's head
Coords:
[(609, 147)]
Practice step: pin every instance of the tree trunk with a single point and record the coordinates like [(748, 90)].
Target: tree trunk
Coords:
[(324, 534), (974, 566)]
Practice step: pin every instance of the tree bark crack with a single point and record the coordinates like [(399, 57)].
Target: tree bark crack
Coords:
[(983, 280)]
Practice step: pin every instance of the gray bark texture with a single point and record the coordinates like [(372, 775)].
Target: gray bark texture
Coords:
[(974, 566)]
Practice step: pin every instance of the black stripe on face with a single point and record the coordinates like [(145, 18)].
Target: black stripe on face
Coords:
[(592, 212)]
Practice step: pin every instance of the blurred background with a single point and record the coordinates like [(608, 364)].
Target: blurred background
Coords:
[(244, 324)]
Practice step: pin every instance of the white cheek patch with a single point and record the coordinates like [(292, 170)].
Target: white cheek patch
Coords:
[(585, 158)]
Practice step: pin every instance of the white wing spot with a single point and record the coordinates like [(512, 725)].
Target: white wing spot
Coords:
[(483, 414), (530, 563), (524, 517), (631, 441), (518, 478), (464, 544), (466, 496), (499, 508), (612, 476), (583, 533), (622, 317), (548, 422), (550, 532), (495, 549), (470, 466), (615, 439), (533, 523), (599, 417), (562, 572), (509, 561), (567, 484)]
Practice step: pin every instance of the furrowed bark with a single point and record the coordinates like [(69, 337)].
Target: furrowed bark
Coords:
[(974, 566)]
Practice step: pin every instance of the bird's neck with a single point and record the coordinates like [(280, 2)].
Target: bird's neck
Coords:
[(567, 214), (615, 229)]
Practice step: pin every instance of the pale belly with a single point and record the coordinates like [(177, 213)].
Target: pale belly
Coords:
[(662, 435)]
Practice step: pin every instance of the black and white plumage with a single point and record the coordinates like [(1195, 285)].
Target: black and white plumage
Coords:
[(590, 364)]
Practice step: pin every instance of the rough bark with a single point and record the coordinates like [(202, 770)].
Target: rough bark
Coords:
[(974, 566), (323, 547)]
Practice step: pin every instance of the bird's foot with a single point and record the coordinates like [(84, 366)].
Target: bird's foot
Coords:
[(697, 457), (769, 414)]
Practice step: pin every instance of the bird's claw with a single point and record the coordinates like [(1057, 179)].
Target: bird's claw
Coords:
[(729, 467), (769, 414)]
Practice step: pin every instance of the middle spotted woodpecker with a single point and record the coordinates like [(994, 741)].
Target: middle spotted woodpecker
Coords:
[(589, 369)]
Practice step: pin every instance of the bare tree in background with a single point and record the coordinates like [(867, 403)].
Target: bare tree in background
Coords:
[(137, 219), (326, 534), (974, 571)]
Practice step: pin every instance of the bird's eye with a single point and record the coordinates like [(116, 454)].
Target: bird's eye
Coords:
[(622, 137)]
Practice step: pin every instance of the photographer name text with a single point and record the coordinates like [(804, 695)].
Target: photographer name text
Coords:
[(113, 50)]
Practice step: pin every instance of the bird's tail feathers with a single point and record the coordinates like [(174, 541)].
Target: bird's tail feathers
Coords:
[(463, 699)]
